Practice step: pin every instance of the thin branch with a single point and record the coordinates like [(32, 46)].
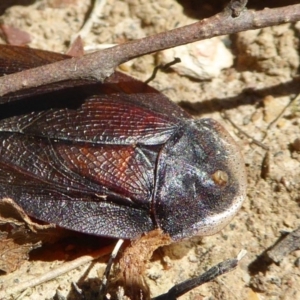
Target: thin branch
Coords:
[(287, 245), (274, 122), (97, 8), (163, 68), (237, 6), (186, 286), (113, 255), (98, 66), (254, 141), (64, 268)]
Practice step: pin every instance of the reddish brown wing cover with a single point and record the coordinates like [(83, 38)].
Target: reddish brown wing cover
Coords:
[(114, 159), (86, 152)]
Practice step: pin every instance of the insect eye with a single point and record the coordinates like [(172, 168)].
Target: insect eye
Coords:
[(220, 178)]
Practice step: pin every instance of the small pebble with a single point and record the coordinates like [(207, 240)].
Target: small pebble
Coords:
[(296, 144), (297, 262)]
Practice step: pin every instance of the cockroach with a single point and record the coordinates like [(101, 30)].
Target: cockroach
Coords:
[(115, 159)]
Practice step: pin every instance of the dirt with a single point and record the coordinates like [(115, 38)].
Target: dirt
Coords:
[(252, 92)]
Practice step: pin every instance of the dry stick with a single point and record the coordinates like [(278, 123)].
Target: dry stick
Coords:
[(254, 141), (217, 270), (237, 6), (98, 66), (113, 255), (97, 8), (274, 122), (163, 68), (66, 267), (289, 244)]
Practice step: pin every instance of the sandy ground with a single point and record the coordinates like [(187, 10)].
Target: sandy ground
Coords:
[(252, 92)]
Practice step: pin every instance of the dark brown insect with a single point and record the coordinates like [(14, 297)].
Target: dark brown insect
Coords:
[(115, 159)]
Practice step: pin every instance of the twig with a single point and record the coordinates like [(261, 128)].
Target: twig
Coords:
[(274, 122), (114, 253), (98, 66), (183, 287), (66, 267), (256, 142), (87, 26), (237, 7), (289, 244), (162, 67)]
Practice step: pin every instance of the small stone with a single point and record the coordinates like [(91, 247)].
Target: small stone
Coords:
[(200, 60), (297, 262), (296, 144)]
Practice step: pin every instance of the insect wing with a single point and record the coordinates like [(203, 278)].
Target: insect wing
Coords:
[(89, 168)]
